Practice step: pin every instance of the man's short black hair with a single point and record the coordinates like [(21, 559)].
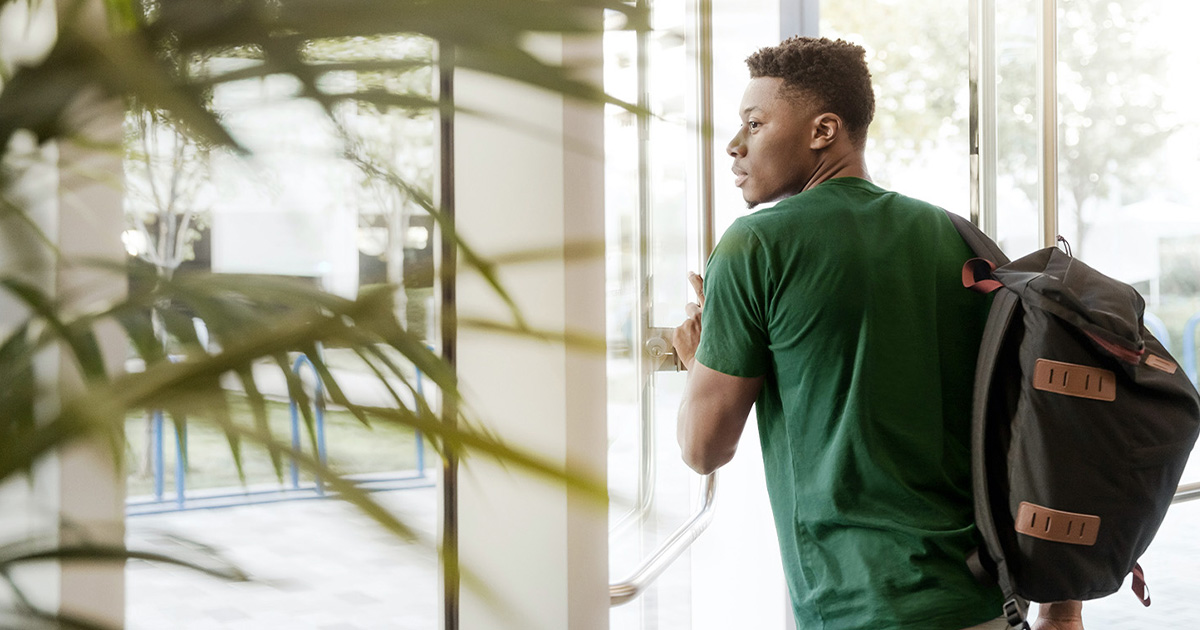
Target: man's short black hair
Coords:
[(834, 73)]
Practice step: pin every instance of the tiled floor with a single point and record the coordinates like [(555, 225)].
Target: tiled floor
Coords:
[(1172, 565), (316, 564), (320, 565)]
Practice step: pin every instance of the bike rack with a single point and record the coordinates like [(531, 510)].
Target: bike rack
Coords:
[(1158, 329), (318, 399), (1189, 348), (224, 498)]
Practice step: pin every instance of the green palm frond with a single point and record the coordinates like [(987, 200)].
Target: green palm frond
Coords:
[(152, 57)]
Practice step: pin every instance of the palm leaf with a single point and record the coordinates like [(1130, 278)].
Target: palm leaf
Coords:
[(80, 339), (257, 319), (258, 409), (54, 551)]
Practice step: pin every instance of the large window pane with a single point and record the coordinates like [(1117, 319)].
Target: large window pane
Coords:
[(1127, 168), (1128, 134), (917, 53), (1127, 145), (296, 207)]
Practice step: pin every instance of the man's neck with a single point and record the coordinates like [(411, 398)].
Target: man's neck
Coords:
[(845, 164)]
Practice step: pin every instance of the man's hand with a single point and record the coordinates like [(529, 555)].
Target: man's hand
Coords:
[(1060, 616), (687, 336)]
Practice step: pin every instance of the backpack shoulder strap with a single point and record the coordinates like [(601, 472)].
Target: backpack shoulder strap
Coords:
[(980, 243), (1004, 307)]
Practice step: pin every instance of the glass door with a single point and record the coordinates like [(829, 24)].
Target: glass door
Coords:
[(673, 533), (653, 196), (1127, 161), (685, 552), (1123, 141)]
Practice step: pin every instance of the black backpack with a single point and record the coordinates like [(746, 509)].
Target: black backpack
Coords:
[(1081, 427)]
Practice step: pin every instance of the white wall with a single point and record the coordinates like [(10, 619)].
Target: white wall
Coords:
[(540, 549)]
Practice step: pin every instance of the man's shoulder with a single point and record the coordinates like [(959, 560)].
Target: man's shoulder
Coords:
[(787, 217)]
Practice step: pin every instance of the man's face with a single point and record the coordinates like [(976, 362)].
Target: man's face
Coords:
[(772, 154)]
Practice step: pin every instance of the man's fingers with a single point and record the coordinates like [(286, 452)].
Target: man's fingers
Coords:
[(698, 286), (692, 309)]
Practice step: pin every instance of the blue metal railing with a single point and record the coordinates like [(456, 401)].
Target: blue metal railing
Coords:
[(182, 500), (1158, 328), (1187, 356), (318, 401), (157, 457), (420, 439), (156, 434), (1189, 348)]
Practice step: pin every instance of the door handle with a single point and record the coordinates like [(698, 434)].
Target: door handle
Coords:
[(671, 548), (1187, 492), (659, 350)]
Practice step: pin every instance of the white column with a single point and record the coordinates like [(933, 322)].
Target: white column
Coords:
[(529, 175), (72, 195), (91, 485)]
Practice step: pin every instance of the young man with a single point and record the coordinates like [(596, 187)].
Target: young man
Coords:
[(841, 312)]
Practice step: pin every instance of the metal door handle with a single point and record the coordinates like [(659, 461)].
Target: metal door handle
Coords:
[(669, 550), (1187, 492), (659, 350)]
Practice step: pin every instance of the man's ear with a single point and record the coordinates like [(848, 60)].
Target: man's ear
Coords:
[(826, 129)]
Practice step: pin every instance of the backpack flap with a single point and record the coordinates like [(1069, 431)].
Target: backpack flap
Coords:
[(1083, 424), (1055, 282)]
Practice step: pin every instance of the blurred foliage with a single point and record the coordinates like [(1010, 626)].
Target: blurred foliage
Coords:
[(1112, 81), (154, 58), (916, 52)]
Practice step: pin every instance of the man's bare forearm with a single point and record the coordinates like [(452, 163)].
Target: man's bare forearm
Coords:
[(1065, 615)]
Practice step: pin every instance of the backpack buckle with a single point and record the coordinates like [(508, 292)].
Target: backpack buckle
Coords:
[(1012, 612)]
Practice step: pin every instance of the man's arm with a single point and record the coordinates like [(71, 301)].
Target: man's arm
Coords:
[(712, 416), (1066, 615), (715, 405)]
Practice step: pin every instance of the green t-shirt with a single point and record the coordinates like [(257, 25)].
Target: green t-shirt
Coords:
[(848, 299)]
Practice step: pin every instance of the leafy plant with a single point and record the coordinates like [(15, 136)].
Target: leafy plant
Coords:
[(150, 58)]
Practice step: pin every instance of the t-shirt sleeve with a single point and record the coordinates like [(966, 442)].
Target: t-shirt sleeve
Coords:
[(733, 337)]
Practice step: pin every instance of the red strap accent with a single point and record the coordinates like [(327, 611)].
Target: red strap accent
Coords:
[(977, 276), (1122, 353), (1139, 586)]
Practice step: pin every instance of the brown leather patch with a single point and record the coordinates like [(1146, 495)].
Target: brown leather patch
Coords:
[(1056, 525), (1071, 379), (1161, 364)]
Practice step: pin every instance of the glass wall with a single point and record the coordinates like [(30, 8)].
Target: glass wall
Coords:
[(917, 54), (1127, 136), (309, 202), (1128, 140), (1128, 159)]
